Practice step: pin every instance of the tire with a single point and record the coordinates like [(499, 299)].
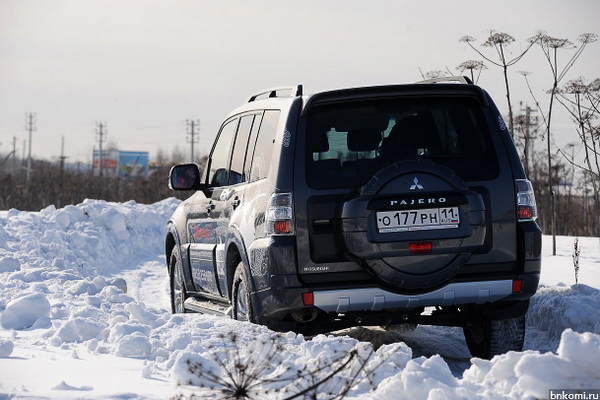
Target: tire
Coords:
[(242, 305), (178, 293), (495, 337)]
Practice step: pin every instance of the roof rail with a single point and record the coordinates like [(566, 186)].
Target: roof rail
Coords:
[(295, 91), (459, 79)]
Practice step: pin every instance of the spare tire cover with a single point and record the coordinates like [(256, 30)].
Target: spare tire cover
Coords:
[(409, 187)]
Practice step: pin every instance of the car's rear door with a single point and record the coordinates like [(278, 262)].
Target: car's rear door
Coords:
[(206, 225), (395, 186)]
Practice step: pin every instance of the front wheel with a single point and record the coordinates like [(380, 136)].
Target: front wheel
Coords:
[(242, 307), (495, 337), (178, 294)]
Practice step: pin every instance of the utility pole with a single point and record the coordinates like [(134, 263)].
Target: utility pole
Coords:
[(15, 155), (100, 134), (62, 160), (192, 134), (528, 136), (23, 154), (62, 171), (30, 127)]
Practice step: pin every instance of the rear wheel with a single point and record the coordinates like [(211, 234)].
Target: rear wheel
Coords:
[(494, 337), (178, 294), (242, 307)]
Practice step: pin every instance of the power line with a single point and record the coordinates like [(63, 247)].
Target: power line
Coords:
[(192, 134)]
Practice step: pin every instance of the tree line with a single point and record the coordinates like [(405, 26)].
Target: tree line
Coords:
[(49, 184), (53, 184)]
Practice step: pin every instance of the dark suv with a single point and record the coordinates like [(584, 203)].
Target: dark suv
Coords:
[(392, 206)]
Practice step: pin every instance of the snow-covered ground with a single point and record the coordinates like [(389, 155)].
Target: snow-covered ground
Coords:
[(84, 314)]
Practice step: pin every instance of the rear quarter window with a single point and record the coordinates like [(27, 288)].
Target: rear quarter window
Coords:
[(263, 150)]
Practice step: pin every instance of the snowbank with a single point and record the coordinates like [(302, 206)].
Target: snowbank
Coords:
[(85, 286), (556, 308)]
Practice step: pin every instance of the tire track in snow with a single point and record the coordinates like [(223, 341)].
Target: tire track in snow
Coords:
[(148, 284)]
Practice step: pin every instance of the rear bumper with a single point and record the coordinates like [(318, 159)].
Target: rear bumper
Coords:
[(377, 299), (372, 305), (343, 301)]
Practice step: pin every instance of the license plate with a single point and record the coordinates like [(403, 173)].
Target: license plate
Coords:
[(418, 220)]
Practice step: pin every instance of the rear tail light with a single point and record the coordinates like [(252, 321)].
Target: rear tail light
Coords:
[(308, 299), (280, 215), (517, 286), (526, 207)]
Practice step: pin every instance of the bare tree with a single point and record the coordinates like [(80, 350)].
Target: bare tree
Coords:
[(550, 46), (177, 155), (582, 101), (160, 157), (499, 41)]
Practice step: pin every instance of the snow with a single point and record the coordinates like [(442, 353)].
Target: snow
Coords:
[(84, 314)]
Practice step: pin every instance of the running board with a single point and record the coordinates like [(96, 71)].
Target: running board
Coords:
[(207, 307)]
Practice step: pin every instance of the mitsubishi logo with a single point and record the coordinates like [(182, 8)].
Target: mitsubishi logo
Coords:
[(417, 185)]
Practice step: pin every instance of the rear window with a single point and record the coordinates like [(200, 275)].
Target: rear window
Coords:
[(347, 142)]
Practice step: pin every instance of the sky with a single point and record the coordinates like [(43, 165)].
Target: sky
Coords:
[(144, 67)]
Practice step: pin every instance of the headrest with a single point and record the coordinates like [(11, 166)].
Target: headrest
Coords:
[(318, 141), (415, 124), (363, 139)]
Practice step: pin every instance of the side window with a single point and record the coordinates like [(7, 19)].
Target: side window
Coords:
[(263, 150), (236, 174), (219, 165), (252, 143)]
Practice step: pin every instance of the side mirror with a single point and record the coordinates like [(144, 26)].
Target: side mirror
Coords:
[(185, 177)]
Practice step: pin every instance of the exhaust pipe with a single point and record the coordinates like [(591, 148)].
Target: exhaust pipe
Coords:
[(305, 315)]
